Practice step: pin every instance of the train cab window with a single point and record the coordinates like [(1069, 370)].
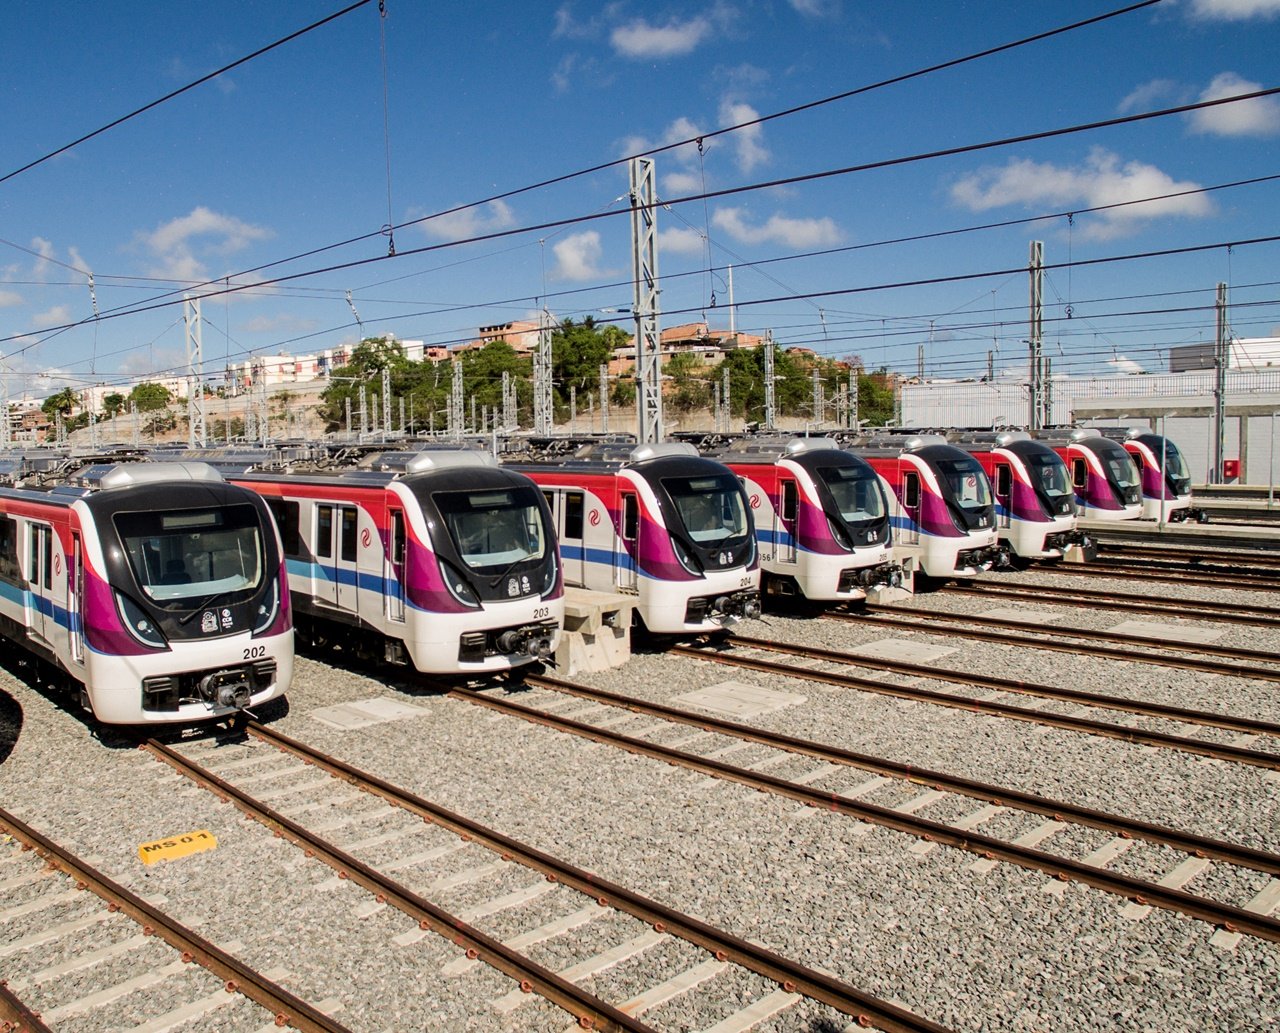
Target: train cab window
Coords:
[(1079, 473), (286, 517), (911, 489), (324, 531), (630, 518), (1004, 479), (790, 500), (9, 551), (349, 523), (573, 506), (47, 537)]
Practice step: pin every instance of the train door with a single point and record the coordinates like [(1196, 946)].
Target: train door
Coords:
[(346, 562), (1080, 479), (568, 510), (627, 558), (393, 573), (39, 580), (75, 599), (1003, 489), (910, 534), (324, 575), (784, 522)]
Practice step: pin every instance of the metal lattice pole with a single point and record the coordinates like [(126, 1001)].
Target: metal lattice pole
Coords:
[(543, 411), (1036, 343), (604, 397), (196, 433), (1221, 359), (644, 243), (770, 413)]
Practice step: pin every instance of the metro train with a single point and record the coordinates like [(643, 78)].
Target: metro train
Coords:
[(1104, 475), (940, 503), (1166, 484), (436, 558), (1034, 502), (658, 522), (158, 588), (821, 516)]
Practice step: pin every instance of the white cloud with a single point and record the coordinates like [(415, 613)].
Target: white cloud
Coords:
[(681, 241), (10, 299), (1234, 10), (1124, 364), (1102, 180), (639, 39), (816, 8), (578, 257), (1257, 117), (677, 183), (778, 229), (747, 142), (146, 362), (470, 222), (680, 129), (175, 243), (45, 249), (55, 316), (1148, 94)]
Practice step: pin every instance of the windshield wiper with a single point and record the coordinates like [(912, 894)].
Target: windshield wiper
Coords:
[(208, 600)]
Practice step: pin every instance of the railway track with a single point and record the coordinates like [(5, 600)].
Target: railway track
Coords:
[(38, 877), (1067, 640), (422, 824), (1246, 581), (746, 653), (1192, 558), (1021, 846), (1228, 613)]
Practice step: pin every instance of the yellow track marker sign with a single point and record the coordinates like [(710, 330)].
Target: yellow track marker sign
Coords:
[(172, 847)]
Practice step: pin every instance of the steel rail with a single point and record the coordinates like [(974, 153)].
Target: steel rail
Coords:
[(873, 615), (239, 977), (1267, 617), (1015, 685), (1218, 751), (1153, 573), (1065, 631), (1001, 796), (590, 1010), (15, 1016), (793, 977), (1193, 558), (1062, 868)]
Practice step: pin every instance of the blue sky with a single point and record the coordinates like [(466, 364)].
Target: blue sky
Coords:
[(288, 154)]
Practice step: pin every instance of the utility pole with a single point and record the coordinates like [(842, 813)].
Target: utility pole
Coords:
[(819, 405), (543, 411), (604, 398), (196, 434), (853, 400), (1221, 359), (770, 377), (455, 402), (725, 406), (1035, 379), (644, 243), (386, 401)]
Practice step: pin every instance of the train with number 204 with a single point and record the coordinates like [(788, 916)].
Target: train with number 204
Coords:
[(156, 589)]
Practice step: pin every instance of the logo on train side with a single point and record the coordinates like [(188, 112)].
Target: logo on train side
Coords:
[(755, 501), (594, 518), (209, 621), (365, 538)]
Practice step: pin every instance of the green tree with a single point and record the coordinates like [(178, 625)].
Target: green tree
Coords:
[(578, 350), (369, 358), (60, 402), (113, 404), (148, 396)]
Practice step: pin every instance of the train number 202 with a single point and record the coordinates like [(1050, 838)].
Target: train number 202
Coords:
[(253, 652)]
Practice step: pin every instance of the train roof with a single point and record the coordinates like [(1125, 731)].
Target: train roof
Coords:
[(610, 455)]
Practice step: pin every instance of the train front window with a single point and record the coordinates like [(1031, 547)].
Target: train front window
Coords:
[(965, 482), (176, 555), (1175, 466), (711, 508), (1119, 465), (494, 530), (1049, 474), (855, 491)]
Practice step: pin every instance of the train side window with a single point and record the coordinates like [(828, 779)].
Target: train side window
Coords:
[(630, 518), (790, 500), (397, 537), (47, 537), (349, 534), (1004, 479), (324, 531), (911, 490), (573, 514), (9, 552), (286, 517), (1079, 473), (33, 554)]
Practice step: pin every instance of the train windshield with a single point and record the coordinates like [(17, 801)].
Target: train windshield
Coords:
[(1120, 468), (964, 483), (493, 530), (711, 508), (193, 553), (1176, 471), (855, 491), (1049, 475)]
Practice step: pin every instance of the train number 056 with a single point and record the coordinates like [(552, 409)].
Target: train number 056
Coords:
[(253, 652)]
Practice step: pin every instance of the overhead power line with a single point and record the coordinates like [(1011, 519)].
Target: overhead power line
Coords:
[(183, 89)]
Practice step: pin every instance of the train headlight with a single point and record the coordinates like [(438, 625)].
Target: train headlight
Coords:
[(138, 623), (458, 587), (551, 570), (686, 558)]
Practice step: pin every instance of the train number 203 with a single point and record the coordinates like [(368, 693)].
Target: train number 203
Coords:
[(253, 652)]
